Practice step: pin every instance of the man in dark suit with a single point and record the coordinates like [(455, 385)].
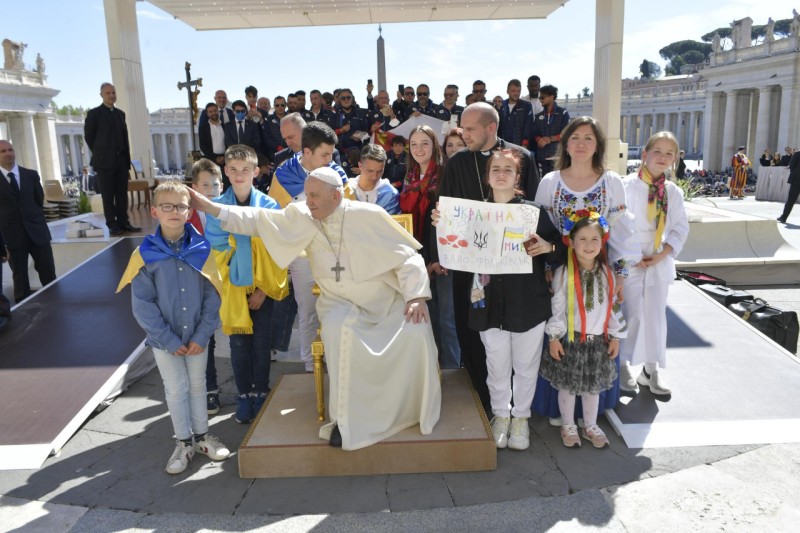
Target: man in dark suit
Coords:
[(22, 223), (106, 133), (212, 136), (225, 114), (241, 130), (794, 187)]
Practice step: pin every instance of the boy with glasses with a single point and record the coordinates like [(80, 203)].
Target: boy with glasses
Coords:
[(174, 288)]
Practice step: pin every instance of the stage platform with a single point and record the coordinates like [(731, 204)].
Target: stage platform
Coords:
[(731, 384), (740, 248), (67, 347), (284, 440)]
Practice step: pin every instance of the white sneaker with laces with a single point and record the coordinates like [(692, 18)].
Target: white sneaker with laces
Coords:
[(519, 438), (655, 382), (211, 447), (595, 435), (627, 381), (180, 458), (500, 426)]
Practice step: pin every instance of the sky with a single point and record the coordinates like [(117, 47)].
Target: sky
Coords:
[(71, 37)]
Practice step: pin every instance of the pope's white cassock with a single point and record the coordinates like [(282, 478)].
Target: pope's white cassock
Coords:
[(383, 370)]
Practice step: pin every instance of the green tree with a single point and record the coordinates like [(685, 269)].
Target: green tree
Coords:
[(649, 70), (724, 33), (680, 48)]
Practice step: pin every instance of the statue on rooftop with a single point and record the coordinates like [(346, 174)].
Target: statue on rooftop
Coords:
[(39, 64)]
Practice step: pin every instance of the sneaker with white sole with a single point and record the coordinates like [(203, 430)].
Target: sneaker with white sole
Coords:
[(569, 436), (655, 382), (519, 436), (595, 435), (212, 403), (500, 425), (211, 447), (627, 381), (180, 458), (555, 422)]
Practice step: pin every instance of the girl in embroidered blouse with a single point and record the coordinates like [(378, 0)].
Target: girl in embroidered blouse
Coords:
[(661, 228), (590, 325), (582, 182)]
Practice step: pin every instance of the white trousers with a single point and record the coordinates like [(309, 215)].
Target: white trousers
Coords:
[(645, 311), (520, 352), (303, 282)]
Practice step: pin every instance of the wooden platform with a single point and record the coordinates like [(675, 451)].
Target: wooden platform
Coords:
[(283, 441)]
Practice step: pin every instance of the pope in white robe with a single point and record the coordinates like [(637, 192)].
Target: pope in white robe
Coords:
[(379, 345)]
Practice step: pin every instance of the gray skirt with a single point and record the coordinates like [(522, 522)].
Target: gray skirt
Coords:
[(585, 367)]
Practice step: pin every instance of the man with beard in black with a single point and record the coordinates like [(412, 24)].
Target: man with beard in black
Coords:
[(463, 177)]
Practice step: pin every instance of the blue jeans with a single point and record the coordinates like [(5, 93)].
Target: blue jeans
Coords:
[(211, 367), (250, 353), (185, 390), (445, 324), (283, 315)]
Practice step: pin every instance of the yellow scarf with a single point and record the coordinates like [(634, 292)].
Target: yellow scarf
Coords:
[(656, 202), (267, 276)]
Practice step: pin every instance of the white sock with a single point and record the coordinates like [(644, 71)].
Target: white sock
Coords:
[(566, 404), (650, 367)]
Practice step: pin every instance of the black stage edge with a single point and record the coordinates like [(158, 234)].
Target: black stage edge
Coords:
[(61, 349)]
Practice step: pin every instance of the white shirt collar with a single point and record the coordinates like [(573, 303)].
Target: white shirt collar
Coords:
[(15, 170)]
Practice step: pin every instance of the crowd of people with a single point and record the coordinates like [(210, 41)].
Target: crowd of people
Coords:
[(304, 197)]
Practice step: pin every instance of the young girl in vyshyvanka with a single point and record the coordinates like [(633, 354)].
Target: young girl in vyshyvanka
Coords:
[(584, 330), (510, 310), (661, 227)]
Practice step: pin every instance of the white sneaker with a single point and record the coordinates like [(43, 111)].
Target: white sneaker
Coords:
[(655, 382), (556, 422), (211, 447), (519, 438), (500, 426), (627, 381), (180, 458)]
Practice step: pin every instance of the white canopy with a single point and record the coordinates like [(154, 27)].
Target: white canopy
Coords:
[(238, 14)]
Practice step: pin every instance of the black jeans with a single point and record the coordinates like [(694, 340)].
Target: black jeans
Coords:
[(794, 192), (113, 183)]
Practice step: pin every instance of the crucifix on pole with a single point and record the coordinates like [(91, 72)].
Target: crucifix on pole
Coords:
[(188, 84)]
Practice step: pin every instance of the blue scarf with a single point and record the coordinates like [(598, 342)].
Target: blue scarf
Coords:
[(241, 264), (194, 252)]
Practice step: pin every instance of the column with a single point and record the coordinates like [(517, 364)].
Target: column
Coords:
[(73, 152), (62, 154), (700, 135), (609, 23), (711, 130), (642, 129), (176, 150), (679, 129), (165, 153), (789, 115), (45, 130), (629, 132), (728, 131), (122, 31), (153, 146), (690, 137), (24, 140)]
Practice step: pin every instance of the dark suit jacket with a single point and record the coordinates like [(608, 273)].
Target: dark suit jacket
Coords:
[(99, 130), (794, 167), (252, 135), (206, 144), (222, 113), (22, 217)]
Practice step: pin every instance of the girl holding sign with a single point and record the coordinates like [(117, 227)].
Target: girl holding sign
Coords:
[(586, 318), (510, 311)]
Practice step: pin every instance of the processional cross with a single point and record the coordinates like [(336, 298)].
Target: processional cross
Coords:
[(192, 98)]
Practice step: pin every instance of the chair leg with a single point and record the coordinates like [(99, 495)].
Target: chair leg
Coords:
[(317, 353)]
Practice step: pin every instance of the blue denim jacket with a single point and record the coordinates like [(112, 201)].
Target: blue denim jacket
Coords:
[(174, 304)]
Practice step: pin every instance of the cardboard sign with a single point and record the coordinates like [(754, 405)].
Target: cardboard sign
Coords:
[(485, 238)]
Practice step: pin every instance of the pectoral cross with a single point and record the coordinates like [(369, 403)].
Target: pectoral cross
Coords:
[(338, 269)]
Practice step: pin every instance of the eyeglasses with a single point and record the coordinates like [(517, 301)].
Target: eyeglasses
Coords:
[(449, 95), (168, 208), (423, 94), (280, 105), (409, 93), (478, 90), (345, 98)]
